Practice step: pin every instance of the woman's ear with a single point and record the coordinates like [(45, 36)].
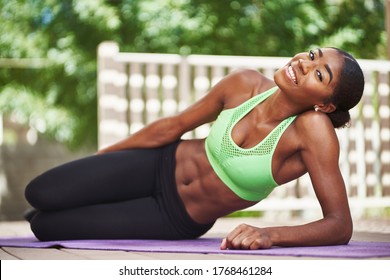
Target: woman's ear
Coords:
[(325, 108)]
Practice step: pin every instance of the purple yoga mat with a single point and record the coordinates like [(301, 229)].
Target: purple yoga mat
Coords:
[(355, 249)]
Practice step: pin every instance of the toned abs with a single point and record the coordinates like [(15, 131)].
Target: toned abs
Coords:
[(206, 197), (203, 193)]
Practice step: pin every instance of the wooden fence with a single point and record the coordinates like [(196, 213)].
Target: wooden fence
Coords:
[(136, 88)]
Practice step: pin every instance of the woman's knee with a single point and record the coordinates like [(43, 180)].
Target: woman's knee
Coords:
[(40, 227), (37, 194), (31, 192)]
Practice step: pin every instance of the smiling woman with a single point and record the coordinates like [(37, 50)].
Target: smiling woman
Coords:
[(265, 133), (343, 94)]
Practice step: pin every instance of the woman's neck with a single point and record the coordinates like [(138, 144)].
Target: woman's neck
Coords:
[(278, 107)]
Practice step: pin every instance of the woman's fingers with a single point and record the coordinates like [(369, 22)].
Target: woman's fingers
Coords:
[(246, 237)]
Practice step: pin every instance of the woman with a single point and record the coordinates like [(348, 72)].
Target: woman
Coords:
[(266, 133)]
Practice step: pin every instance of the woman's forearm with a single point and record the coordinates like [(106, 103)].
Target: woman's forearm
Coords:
[(328, 231), (156, 134), (323, 232)]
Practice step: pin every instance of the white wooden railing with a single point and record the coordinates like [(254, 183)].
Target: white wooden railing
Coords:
[(136, 88)]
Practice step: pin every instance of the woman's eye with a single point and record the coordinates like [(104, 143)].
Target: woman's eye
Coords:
[(311, 55), (319, 75)]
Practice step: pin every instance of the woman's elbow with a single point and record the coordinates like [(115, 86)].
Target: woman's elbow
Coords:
[(344, 231), (166, 130)]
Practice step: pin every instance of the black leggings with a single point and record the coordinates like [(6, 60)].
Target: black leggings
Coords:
[(120, 195)]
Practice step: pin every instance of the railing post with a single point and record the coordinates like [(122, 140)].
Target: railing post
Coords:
[(152, 100), (112, 96), (184, 95)]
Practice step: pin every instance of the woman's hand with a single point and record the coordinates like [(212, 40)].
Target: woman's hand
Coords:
[(246, 237)]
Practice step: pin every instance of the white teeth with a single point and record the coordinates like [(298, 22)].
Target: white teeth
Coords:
[(292, 74)]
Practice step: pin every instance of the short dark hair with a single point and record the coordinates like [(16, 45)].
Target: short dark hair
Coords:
[(348, 91)]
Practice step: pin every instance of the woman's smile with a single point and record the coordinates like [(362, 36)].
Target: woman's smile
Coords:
[(291, 73)]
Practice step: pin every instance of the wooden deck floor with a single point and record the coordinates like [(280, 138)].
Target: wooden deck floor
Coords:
[(368, 230)]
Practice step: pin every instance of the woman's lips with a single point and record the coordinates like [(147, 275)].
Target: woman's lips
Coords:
[(291, 74)]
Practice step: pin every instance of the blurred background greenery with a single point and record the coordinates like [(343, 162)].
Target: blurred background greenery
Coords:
[(48, 47)]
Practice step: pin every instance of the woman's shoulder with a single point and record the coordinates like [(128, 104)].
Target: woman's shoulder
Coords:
[(246, 72), (242, 84), (315, 127), (250, 78), (312, 120), (247, 77)]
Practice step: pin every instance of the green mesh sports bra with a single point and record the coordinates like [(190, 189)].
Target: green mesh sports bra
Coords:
[(247, 172)]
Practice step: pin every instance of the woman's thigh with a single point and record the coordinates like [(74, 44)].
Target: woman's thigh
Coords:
[(105, 178), (135, 219)]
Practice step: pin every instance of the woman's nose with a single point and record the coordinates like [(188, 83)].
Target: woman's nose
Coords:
[(304, 65)]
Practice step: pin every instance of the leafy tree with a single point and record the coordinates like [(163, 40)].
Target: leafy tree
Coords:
[(358, 26), (55, 91)]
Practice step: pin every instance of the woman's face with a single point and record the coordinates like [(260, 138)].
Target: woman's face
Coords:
[(310, 78)]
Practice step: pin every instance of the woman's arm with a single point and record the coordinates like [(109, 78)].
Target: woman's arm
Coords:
[(169, 129), (320, 154)]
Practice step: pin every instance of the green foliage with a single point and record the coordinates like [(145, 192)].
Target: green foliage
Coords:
[(29, 108), (58, 95), (358, 26)]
